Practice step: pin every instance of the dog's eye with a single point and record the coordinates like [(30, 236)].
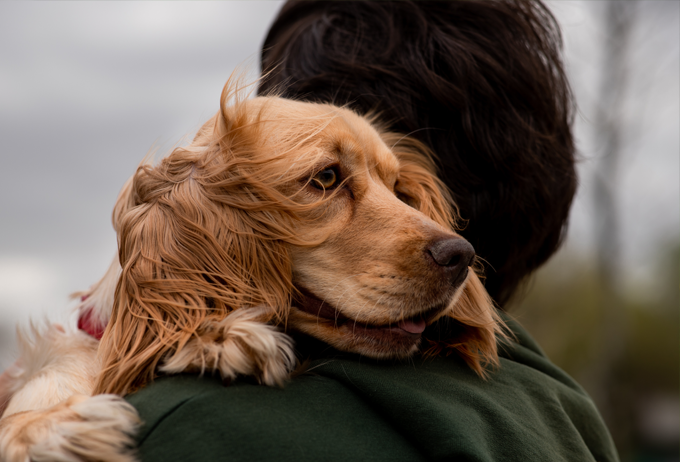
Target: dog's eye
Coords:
[(326, 178)]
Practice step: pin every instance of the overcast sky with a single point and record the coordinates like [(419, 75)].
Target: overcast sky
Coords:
[(88, 88)]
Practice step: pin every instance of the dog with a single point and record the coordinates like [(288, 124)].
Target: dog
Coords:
[(281, 216)]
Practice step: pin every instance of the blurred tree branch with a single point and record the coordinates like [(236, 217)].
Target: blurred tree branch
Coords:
[(618, 23)]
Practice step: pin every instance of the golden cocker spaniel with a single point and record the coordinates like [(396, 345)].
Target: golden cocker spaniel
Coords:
[(280, 216)]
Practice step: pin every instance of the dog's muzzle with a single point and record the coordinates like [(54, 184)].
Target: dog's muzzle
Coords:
[(453, 256)]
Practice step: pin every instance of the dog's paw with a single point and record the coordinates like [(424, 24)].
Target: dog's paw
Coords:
[(82, 428), (240, 344)]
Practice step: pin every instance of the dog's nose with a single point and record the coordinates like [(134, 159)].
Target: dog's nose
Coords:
[(453, 255)]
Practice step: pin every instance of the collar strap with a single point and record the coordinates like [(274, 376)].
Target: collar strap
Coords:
[(88, 324)]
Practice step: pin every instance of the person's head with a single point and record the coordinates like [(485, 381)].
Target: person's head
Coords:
[(480, 82)]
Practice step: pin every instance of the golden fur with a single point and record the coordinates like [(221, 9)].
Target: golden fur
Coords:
[(221, 239), (61, 364), (81, 428), (233, 222)]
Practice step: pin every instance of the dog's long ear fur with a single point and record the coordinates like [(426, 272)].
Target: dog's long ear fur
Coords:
[(200, 235), (473, 311), (418, 181), (475, 331)]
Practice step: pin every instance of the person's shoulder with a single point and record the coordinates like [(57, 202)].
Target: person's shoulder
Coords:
[(352, 408), (312, 417), (523, 355)]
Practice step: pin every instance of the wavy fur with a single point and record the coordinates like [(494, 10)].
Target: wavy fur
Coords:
[(213, 242), (208, 230), (81, 428), (204, 233)]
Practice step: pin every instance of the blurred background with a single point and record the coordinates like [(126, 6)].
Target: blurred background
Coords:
[(87, 89)]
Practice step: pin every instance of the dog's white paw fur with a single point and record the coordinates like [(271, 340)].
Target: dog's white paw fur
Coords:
[(240, 344), (82, 428), (53, 365)]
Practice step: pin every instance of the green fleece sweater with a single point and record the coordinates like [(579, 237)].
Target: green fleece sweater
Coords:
[(348, 408)]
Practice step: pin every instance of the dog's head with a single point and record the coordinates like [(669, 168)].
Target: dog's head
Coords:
[(383, 270), (340, 231)]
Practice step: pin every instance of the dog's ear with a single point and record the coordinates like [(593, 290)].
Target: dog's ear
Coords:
[(418, 184), (475, 324), (188, 259), (473, 328)]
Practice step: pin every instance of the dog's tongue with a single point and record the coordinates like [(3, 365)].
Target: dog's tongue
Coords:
[(413, 326)]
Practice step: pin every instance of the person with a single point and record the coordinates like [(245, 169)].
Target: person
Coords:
[(482, 84)]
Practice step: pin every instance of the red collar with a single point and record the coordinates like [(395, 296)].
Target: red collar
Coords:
[(88, 324)]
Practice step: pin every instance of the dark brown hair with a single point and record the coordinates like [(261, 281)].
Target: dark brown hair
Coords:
[(480, 82)]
